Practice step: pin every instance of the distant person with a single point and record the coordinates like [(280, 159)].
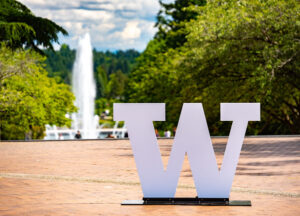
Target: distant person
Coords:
[(103, 115), (60, 136), (126, 135), (167, 134), (174, 131), (110, 136), (156, 133), (78, 135), (28, 134)]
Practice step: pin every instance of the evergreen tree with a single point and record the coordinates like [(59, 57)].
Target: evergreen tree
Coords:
[(171, 21), (59, 64), (19, 27)]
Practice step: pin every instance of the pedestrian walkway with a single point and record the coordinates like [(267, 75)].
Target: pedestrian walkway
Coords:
[(94, 177)]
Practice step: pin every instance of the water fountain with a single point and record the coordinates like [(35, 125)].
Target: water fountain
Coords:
[(84, 89)]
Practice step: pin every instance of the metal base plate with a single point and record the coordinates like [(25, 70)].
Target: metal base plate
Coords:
[(188, 201)]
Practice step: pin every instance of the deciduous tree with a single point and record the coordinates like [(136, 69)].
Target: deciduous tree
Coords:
[(30, 100)]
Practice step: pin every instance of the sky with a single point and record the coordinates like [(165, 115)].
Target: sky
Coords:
[(112, 24)]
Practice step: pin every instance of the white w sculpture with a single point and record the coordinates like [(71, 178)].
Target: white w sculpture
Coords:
[(192, 138)]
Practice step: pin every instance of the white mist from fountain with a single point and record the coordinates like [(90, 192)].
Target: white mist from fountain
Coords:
[(84, 89)]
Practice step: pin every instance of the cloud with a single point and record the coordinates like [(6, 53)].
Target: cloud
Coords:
[(113, 24), (131, 30)]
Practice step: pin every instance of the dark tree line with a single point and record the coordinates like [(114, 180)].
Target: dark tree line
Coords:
[(110, 69)]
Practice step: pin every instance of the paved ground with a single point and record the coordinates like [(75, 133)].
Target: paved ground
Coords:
[(94, 177)]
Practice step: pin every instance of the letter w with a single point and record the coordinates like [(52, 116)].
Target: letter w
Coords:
[(192, 137)]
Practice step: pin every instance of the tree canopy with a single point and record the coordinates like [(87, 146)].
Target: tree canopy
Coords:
[(29, 99), (171, 20), (20, 28), (204, 51), (235, 51), (111, 70), (248, 51)]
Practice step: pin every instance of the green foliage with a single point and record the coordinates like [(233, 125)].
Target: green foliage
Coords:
[(20, 28), (59, 64), (103, 104), (236, 51), (15, 63), (102, 82), (154, 80), (110, 69), (112, 87), (116, 85), (111, 62), (155, 77), (171, 21), (247, 51), (29, 99)]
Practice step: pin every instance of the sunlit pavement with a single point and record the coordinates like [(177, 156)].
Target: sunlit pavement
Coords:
[(94, 177)]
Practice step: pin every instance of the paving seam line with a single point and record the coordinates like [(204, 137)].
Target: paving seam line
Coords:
[(96, 180)]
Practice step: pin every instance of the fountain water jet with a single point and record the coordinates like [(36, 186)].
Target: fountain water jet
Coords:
[(84, 88)]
